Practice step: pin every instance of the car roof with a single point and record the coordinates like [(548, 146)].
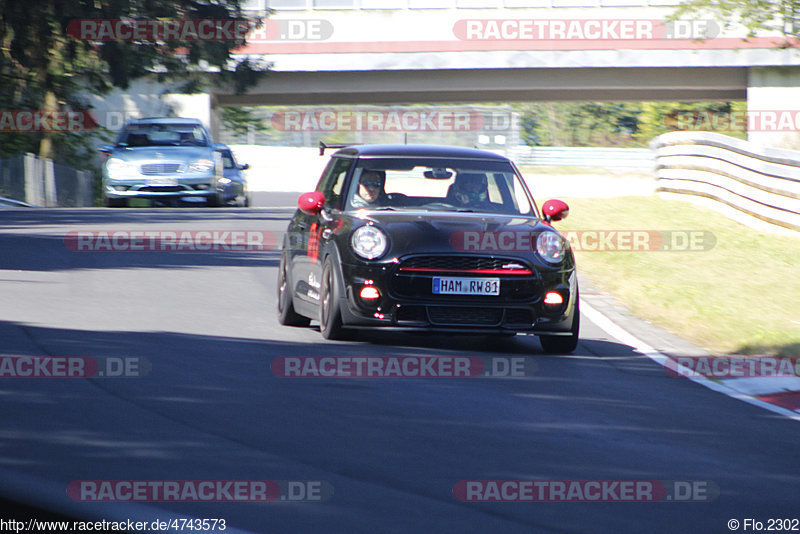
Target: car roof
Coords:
[(165, 120), (431, 151)]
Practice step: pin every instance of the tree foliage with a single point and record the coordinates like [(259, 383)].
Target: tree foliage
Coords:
[(42, 67), (621, 124), (241, 121), (780, 17)]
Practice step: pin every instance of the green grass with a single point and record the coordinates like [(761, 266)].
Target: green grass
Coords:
[(741, 296)]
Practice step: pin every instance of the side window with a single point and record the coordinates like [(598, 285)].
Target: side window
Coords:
[(332, 181), (227, 159)]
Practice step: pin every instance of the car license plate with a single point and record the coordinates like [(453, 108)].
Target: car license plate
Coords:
[(466, 286), (162, 181)]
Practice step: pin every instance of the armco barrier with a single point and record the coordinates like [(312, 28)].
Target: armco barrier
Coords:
[(758, 185)]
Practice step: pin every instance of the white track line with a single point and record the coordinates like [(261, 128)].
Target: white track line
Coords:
[(620, 334)]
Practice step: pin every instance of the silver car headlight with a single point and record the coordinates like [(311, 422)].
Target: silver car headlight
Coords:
[(201, 165), (119, 169), (369, 242), (550, 246)]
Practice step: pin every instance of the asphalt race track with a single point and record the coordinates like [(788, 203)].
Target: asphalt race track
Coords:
[(388, 452)]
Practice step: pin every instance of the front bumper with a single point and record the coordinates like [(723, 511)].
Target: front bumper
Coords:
[(162, 187), (406, 301)]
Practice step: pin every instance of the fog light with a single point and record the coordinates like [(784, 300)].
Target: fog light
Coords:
[(553, 298), (370, 293)]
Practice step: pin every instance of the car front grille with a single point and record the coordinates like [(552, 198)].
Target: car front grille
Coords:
[(461, 263), (413, 278), (464, 316), (452, 315), (159, 168)]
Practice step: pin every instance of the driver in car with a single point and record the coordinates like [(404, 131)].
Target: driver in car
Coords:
[(370, 189)]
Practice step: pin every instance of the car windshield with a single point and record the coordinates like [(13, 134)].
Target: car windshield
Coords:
[(438, 184), (160, 134)]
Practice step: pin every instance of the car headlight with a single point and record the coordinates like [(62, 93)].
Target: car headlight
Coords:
[(119, 169), (550, 247), (201, 165), (369, 242)]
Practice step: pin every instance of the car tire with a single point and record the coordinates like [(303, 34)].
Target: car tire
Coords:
[(286, 314), (330, 316), (564, 344), (215, 201), (116, 202)]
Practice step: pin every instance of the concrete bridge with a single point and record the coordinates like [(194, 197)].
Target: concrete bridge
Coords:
[(434, 51)]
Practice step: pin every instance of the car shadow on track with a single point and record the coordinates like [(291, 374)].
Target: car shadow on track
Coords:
[(211, 407), (519, 344)]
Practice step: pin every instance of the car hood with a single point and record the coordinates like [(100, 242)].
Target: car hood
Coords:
[(165, 153), (442, 232)]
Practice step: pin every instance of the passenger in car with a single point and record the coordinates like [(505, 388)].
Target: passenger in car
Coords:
[(469, 190)]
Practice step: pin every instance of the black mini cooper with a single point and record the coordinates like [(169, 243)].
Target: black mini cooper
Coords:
[(428, 238)]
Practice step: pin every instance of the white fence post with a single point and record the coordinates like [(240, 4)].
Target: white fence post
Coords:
[(34, 193), (49, 179)]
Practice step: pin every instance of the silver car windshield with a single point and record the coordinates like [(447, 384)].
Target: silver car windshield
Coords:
[(160, 134), (439, 185)]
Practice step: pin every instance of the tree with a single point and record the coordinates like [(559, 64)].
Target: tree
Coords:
[(756, 16), (242, 121), (578, 123), (43, 66)]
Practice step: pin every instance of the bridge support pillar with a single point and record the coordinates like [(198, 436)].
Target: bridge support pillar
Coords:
[(774, 89)]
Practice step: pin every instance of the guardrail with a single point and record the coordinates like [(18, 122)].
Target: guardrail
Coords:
[(619, 158), (754, 184), (41, 182)]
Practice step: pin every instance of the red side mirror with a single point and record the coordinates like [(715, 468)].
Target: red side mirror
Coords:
[(555, 210), (311, 203)]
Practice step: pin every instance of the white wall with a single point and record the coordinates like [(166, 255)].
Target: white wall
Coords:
[(774, 89), (281, 168)]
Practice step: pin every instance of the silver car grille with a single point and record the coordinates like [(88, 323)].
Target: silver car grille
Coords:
[(160, 168)]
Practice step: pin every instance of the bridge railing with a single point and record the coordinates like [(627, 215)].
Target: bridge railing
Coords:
[(35, 181), (757, 185)]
